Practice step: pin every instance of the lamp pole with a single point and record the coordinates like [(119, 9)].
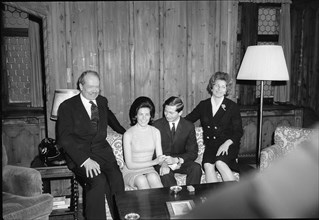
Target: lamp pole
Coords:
[(260, 123)]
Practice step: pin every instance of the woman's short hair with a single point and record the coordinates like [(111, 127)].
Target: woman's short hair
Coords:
[(219, 76), (141, 102), (81, 78), (172, 101)]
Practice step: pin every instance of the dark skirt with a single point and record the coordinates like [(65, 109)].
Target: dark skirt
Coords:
[(230, 159)]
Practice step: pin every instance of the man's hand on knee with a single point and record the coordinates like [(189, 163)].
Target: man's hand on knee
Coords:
[(91, 168)]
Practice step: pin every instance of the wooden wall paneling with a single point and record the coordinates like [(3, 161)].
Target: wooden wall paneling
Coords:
[(295, 50), (224, 37), (305, 96), (216, 13), (315, 100), (115, 56), (51, 82), (310, 72), (175, 50), (200, 52), (247, 88), (132, 51), (147, 51), (231, 12), (305, 49), (71, 82), (161, 94), (84, 37), (59, 44)]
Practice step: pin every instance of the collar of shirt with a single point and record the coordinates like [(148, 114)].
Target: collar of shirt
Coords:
[(175, 122), (87, 104), (215, 106)]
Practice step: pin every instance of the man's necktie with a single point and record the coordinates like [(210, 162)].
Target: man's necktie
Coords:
[(173, 130), (94, 116)]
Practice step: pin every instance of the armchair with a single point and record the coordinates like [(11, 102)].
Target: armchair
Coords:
[(22, 196), (286, 139)]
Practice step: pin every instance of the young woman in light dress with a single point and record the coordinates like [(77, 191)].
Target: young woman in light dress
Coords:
[(140, 142)]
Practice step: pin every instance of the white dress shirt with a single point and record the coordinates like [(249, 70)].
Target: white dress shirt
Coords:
[(215, 106)]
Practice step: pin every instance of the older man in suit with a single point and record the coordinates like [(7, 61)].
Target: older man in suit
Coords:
[(81, 131), (179, 145)]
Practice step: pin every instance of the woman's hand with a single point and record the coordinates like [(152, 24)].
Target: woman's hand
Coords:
[(160, 159), (223, 149), (164, 169)]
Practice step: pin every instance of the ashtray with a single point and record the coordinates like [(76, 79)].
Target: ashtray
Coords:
[(175, 189), (132, 216)]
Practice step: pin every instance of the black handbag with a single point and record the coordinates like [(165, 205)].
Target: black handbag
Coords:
[(50, 153)]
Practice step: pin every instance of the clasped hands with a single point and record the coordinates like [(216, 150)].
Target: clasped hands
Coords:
[(165, 162)]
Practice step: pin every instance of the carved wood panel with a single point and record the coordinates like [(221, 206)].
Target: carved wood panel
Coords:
[(21, 138), (273, 116)]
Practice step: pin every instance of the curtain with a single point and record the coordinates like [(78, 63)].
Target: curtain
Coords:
[(282, 89), (36, 71), (249, 23)]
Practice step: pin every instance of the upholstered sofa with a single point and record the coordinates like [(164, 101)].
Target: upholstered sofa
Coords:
[(22, 196), (115, 141), (285, 140)]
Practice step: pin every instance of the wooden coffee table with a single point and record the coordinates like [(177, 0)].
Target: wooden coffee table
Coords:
[(151, 203)]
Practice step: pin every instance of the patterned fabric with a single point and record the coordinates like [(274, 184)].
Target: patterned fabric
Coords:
[(286, 140), (115, 140)]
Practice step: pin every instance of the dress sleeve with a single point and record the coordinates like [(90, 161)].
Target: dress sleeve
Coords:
[(194, 115)]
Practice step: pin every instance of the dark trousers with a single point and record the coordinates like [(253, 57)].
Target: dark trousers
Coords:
[(192, 169), (108, 183)]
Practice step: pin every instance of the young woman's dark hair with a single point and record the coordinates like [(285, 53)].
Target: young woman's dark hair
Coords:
[(141, 102)]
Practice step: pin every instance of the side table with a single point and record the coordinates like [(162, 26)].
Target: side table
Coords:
[(61, 173)]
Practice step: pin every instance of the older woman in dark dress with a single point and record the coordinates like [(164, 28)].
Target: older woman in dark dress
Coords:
[(222, 129)]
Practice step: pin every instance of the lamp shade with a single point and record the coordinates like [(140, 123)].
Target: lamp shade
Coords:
[(264, 62), (59, 96)]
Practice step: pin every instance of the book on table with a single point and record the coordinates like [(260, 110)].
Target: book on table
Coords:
[(61, 202)]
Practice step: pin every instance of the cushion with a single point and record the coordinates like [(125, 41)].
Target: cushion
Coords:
[(115, 140), (21, 207)]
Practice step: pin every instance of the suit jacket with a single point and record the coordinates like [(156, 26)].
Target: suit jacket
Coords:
[(76, 136), (226, 124), (184, 144)]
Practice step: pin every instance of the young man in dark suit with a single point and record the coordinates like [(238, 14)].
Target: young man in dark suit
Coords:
[(81, 131), (179, 145)]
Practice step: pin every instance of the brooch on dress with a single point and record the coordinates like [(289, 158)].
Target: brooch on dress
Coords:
[(224, 107)]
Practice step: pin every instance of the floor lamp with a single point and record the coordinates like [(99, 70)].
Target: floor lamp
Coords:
[(263, 62)]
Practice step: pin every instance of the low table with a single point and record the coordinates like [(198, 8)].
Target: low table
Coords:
[(151, 203), (60, 173)]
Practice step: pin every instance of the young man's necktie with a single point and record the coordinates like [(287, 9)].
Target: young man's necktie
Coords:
[(173, 130)]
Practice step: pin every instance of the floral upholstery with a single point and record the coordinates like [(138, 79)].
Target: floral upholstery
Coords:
[(286, 139), (115, 140)]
